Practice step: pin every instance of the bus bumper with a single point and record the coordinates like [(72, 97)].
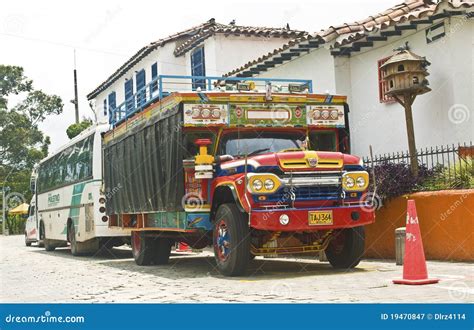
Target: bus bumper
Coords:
[(299, 219)]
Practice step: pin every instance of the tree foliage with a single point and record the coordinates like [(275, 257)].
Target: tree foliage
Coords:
[(75, 129), (22, 144)]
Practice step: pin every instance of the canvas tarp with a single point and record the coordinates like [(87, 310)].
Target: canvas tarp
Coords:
[(143, 170)]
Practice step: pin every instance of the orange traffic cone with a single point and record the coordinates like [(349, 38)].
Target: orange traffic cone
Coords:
[(183, 247), (414, 264)]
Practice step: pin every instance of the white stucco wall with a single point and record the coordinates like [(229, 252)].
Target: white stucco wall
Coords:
[(383, 125), (451, 80), (222, 54), (167, 64), (318, 66)]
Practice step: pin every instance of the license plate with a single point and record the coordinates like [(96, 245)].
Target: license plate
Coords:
[(320, 218)]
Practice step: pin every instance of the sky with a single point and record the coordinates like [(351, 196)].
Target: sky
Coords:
[(41, 36)]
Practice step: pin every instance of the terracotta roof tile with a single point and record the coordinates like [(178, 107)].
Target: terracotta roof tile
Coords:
[(348, 33), (192, 36)]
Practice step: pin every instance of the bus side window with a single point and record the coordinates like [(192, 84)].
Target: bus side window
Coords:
[(323, 140)]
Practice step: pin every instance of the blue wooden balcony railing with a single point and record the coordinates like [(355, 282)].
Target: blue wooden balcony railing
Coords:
[(163, 85)]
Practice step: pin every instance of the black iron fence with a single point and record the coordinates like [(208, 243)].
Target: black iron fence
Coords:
[(445, 167)]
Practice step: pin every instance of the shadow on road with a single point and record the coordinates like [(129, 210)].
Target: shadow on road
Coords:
[(191, 265)]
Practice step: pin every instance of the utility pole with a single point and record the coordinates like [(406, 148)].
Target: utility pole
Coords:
[(76, 102)]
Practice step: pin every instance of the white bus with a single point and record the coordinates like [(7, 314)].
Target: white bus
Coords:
[(70, 201)]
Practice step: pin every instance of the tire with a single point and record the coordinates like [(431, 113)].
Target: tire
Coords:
[(27, 243), (41, 235), (231, 240), (162, 251), (142, 248), (346, 249), (48, 245)]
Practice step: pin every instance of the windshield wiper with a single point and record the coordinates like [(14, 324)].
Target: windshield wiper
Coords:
[(257, 151)]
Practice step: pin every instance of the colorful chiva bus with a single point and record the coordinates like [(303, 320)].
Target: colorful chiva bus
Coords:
[(69, 197), (249, 172)]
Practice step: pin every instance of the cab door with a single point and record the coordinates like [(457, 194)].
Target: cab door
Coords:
[(31, 227)]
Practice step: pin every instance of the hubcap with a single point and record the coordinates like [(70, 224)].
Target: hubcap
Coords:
[(222, 240)]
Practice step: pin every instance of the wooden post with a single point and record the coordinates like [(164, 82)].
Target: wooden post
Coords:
[(411, 139), (407, 101)]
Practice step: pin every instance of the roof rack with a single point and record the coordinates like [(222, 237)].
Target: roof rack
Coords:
[(164, 85)]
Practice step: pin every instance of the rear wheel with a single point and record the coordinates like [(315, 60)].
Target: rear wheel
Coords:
[(48, 244), (27, 243), (142, 248), (162, 251), (346, 248), (231, 239)]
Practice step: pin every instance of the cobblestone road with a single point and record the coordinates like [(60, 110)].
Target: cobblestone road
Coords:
[(30, 274)]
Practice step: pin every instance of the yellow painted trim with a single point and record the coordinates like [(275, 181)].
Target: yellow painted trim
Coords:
[(322, 162)]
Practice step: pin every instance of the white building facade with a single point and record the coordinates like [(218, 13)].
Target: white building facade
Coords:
[(210, 49), (345, 60)]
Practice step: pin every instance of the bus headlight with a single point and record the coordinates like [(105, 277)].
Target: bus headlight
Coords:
[(349, 182), (269, 184), (263, 183), (360, 181), (355, 181), (257, 185)]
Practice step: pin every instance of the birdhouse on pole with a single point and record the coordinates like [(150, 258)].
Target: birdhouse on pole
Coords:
[(405, 76)]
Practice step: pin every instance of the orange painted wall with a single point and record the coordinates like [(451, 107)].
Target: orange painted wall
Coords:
[(446, 223)]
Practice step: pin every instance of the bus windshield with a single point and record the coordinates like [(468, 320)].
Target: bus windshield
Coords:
[(250, 143)]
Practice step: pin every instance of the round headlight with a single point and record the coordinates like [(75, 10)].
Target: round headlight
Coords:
[(269, 184), (205, 113), (316, 114), (216, 113), (349, 182), (257, 185), (360, 182), (334, 114), (325, 114)]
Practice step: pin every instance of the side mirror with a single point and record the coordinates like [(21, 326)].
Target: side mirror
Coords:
[(203, 162)]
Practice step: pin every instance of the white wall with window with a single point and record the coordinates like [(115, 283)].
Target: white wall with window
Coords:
[(382, 124)]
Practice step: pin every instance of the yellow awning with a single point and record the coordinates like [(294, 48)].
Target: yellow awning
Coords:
[(20, 209)]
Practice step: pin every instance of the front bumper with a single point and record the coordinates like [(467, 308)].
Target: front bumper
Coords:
[(343, 217)]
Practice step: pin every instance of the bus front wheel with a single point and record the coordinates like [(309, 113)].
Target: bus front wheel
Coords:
[(346, 248), (231, 239)]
